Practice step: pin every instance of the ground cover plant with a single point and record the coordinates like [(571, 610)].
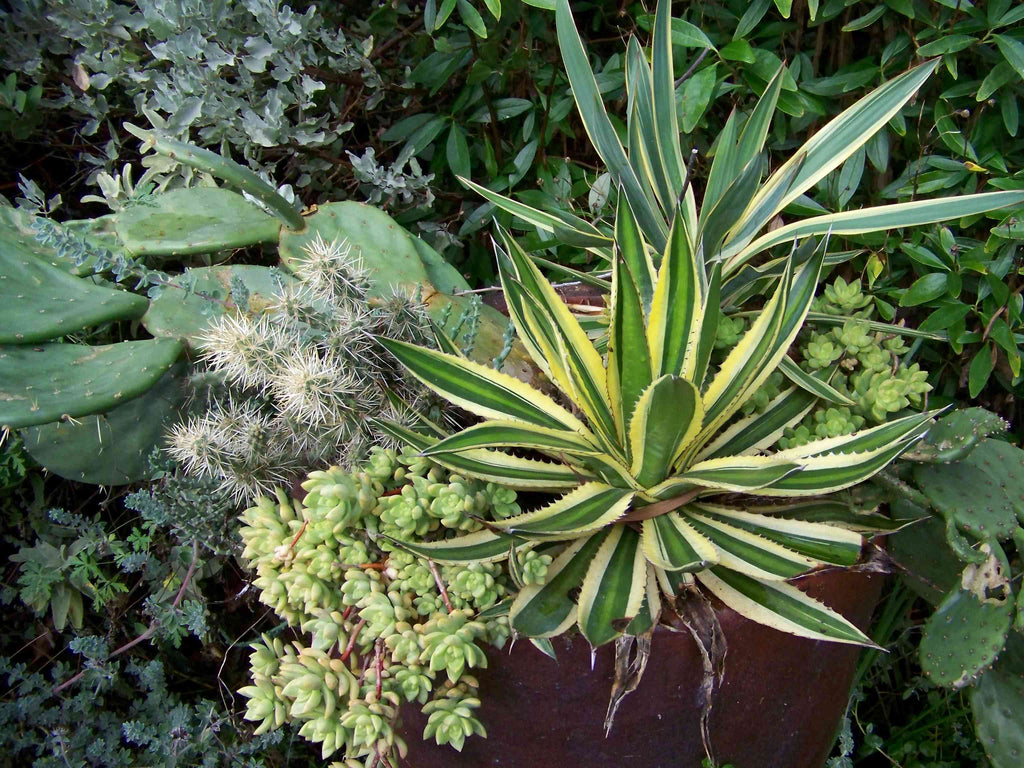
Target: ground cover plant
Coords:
[(128, 596)]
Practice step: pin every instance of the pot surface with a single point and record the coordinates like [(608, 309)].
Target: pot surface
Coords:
[(778, 705)]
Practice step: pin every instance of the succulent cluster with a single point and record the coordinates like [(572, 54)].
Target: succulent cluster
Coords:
[(296, 376), (375, 626)]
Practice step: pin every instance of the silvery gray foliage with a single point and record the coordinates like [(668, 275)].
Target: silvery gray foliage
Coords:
[(385, 185), (245, 74)]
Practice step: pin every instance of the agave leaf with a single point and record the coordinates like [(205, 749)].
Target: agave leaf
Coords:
[(875, 219), (755, 130), (665, 119), (667, 418), (614, 587), (669, 542), (822, 542), (632, 249), (837, 514), (882, 436), (780, 606), (548, 610), (480, 547), (752, 220), (834, 471), (832, 145), (749, 553), (761, 430), (492, 466), (739, 474), (599, 127), (589, 507), (645, 152), (725, 166), (629, 362), (511, 434), (674, 325), (482, 390), (719, 217), (812, 384)]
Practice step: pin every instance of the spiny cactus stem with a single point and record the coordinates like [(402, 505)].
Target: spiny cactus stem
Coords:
[(893, 484), (440, 586), (227, 170)]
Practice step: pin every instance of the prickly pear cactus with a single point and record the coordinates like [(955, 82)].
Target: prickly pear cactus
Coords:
[(112, 448), (954, 436), (998, 703), (967, 632), (1004, 464), (48, 382), (195, 220), (966, 494), (39, 301)]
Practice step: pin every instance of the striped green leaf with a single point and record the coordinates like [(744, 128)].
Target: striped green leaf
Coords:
[(835, 471), (481, 390), (667, 418), (761, 430), (780, 606), (825, 543), (614, 587), (548, 610), (645, 152), (599, 127), (492, 466), (740, 474), (592, 506), (834, 512), (749, 553), (480, 547), (882, 436), (665, 119), (669, 542), (811, 384), (876, 219), (632, 248), (511, 434), (674, 325)]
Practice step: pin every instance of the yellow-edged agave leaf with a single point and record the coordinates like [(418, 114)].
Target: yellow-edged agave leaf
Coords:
[(751, 220), (674, 325), (761, 430), (812, 384), (512, 434), (592, 506), (614, 588), (650, 609), (629, 362), (581, 360), (667, 418), (581, 229), (645, 154), (481, 390), (834, 512), (599, 126), (835, 471), (632, 249), (492, 466), (820, 541), (882, 436), (665, 119), (832, 145), (480, 547), (750, 553), (875, 219), (670, 543), (740, 474), (717, 219), (548, 610), (800, 296), (780, 606)]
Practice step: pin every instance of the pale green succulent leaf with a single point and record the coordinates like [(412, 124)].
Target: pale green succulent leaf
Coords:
[(548, 610), (614, 587), (780, 606), (669, 542), (666, 420), (589, 507)]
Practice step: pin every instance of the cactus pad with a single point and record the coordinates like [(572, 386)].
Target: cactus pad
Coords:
[(195, 220), (997, 702), (967, 494), (1004, 463), (49, 382), (931, 567), (954, 436), (112, 448), (41, 301), (963, 637), (385, 248), (182, 314)]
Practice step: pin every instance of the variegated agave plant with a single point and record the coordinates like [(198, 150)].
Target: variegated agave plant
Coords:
[(665, 483), (659, 473)]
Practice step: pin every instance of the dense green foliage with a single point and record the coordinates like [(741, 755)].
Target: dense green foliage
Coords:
[(145, 595)]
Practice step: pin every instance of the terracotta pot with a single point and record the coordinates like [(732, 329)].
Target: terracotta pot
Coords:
[(778, 706)]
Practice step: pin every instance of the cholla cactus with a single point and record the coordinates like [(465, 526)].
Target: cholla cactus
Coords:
[(381, 626), (301, 374)]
